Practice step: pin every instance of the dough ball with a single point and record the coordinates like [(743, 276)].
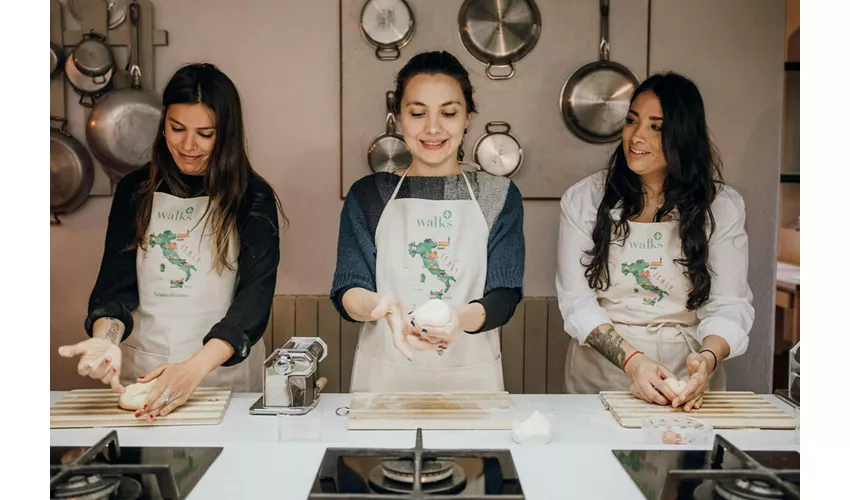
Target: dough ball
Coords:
[(676, 385), (435, 312), (134, 395), (671, 437)]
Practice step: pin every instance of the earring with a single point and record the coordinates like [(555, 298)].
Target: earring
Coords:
[(460, 148)]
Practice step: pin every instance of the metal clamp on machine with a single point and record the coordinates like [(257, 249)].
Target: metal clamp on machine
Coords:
[(291, 384)]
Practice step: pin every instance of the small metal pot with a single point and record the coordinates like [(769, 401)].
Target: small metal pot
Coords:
[(93, 57), (499, 33), (88, 89), (498, 152), (57, 60), (388, 151), (71, 170), (387, 25)]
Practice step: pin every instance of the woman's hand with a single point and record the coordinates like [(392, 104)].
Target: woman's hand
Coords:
[(175, 384), (647, 377), (393, 312), (99, 359), (691, 396)]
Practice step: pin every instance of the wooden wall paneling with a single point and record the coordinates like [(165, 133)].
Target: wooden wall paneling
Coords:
[(556, 349), (348, 336), (284, 319), (329, 326), (534, 358), (513, 350)]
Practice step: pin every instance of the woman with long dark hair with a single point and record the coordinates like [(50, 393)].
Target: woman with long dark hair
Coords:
[(430, 231), (653, 257), (190, 261)]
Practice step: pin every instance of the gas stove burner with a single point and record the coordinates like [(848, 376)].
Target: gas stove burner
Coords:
[(93, 487), (747, 489), (439, 476), (432, 470)]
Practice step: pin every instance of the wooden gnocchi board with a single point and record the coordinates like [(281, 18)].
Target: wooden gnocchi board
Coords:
[(441, 411), (723, 410), (99, 408)]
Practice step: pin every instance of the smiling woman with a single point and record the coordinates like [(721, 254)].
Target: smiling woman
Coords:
[(430, 232), (652, 258), (190, 260)]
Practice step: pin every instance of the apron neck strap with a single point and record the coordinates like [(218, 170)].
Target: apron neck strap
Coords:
[(462, 173), (468, 185), (398, 186)]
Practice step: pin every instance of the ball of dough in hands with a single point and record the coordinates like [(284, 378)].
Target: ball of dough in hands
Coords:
[(435, 312), (134, 395), (676, 385)]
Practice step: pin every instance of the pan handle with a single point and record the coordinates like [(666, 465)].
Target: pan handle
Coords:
[(390, 101), (492, 76), (390, 124), (605, 44), (61, 120), (385, 53), (493, 125)]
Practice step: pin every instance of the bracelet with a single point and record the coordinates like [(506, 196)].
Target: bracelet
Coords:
[(713, 355), (629, 358)]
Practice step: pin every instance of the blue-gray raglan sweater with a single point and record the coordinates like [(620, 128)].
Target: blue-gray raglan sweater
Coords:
[(501, 204)]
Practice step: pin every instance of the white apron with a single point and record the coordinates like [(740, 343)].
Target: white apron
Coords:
[(181, 296), (429, 249), (647, 302)]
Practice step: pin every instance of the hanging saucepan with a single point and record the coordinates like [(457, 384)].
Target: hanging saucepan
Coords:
[(498, 153), (387, 25), (122, 126), (499, 33), (115, 14), (595, 98), (388, 151), (85, 85), (93, 57), (71, 171), (57, 59)]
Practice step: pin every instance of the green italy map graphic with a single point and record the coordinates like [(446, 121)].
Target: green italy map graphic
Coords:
[(640, 270), (428, 251), (167, 241)]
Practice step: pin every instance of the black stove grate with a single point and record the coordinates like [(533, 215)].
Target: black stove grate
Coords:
[(500, 474), (785, 481), (107, 447)]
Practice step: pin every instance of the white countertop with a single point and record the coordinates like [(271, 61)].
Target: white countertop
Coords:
[(578, 458)]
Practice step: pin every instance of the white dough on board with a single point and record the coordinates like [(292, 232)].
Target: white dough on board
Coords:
[(134, 395)]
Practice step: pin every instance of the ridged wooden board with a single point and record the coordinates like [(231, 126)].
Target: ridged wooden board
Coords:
[(723, 410), (99, 408), (442, 411)]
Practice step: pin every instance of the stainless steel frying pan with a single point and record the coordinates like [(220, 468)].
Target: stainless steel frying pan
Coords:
[(595, 98)]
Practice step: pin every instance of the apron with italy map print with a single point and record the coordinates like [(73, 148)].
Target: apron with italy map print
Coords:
[(647, 302), (181, 297), (429, 249)]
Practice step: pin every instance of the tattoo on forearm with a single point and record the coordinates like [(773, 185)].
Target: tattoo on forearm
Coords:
[(112, 333), (607, 342)]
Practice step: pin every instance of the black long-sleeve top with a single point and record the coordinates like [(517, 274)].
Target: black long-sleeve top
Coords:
[(116, 292)]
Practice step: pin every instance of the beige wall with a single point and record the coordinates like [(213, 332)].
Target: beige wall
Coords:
[(284, 56)]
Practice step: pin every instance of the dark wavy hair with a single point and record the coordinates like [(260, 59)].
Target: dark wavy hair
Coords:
[(435, 63), (690, 186), (228, 169)]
